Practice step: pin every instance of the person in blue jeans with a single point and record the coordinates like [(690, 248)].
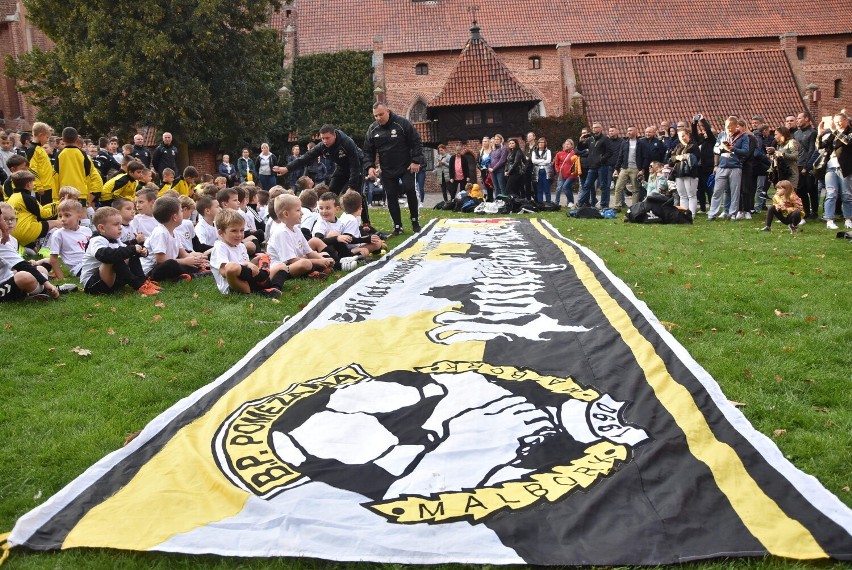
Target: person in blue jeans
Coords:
[(542, 162)]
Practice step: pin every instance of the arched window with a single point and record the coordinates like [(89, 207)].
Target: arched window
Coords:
[(421, 69), (418, 111), (535, 62)]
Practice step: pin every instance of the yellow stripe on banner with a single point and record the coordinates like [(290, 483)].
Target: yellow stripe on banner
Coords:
[(781, 535)]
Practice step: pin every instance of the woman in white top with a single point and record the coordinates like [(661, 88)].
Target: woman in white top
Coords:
[(264, 163), (542, 161)]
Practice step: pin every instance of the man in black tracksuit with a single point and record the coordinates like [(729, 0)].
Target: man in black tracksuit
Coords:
[(165, 156), (400, 153), (339, 148)]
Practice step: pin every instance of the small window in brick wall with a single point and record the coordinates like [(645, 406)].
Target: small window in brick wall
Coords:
[(800, 53), (838, 88), (849, 50), (472, 118), (421, 69), (535, 62)]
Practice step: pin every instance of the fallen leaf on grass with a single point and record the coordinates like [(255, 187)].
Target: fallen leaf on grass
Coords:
[(822, 409), (805, 296), (193, 323), (846, 488), (778, 313), (714, 329), (779, 432), (221, 342), (110, 331), (736, 404), (748, 373), (112, 309), (37, 496), (160, 304), (130, 437), (669, 326), (8, 326), (251, 306), (88, 316), (139, 374), (688, 286), (157, 317), (810, 318), (82, 351), (698, 266), (789, 348), (195, 295), (778, 378), (123, 341)]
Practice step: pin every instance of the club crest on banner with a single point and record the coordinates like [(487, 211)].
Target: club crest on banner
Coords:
[(513, 427)]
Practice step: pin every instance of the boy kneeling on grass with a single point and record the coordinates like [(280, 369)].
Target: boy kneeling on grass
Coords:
[(232, 269), (109, 264)]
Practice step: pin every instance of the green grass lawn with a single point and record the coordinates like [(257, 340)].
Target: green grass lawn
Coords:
[(768, 315)]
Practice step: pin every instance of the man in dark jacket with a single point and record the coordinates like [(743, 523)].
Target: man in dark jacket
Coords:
[(807, 190), (338, 148), (104, 161), (165, 156), (396, 143), (598, 171), (703, 136), (631, 157), (139, 151)]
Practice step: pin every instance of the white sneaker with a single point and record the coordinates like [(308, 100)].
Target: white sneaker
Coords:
[(571, 206), (803, 222), (830, 225), (723, 215), (748, 215), (848, 224)]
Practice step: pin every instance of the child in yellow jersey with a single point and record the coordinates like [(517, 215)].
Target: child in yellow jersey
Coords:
[(45, 176), (75, 168), (34, 220), (185, 185), (125, 184), (168, 180)]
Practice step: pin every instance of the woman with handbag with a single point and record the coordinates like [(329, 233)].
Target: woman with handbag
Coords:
[(514, 169), (684, 162), (542, 163)]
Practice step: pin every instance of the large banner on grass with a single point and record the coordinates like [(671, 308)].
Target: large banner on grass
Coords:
[(488, 392)]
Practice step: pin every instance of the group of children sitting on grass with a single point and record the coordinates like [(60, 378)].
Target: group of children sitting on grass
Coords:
[(250, 240)]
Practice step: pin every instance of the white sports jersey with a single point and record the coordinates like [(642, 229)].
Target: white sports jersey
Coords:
[(222, 254), (71, 246), (161, 241)]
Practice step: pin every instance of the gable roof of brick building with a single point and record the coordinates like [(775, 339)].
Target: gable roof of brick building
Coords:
[(440, 25), (465, 85), (730, 83)]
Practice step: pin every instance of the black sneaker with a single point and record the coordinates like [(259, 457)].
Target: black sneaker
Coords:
[(397, 230), (415, 226), (271, 292), (383, 236)]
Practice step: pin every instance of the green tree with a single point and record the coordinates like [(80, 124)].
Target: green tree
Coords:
[(207, 70), (335, 88)]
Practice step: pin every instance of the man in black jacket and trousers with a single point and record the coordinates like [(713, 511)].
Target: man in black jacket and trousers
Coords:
[(338, 148), (396, 143)]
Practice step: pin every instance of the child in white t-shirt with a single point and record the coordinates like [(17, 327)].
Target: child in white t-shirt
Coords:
[(350, 225), (144, 222), (127, 211), (205, 230), (310, 214), (69, 241), (291, 245), (18, 277), (166, 259), (232, 269), (185, 233)]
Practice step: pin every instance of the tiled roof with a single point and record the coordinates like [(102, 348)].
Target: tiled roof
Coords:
[(481, 77), (643, 90), (439, 25)]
